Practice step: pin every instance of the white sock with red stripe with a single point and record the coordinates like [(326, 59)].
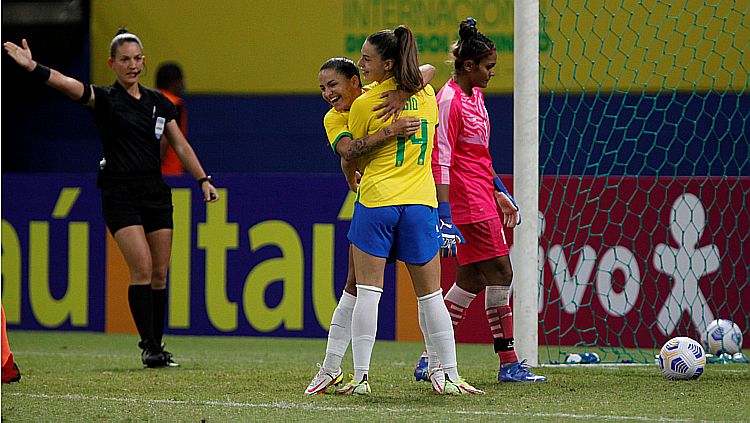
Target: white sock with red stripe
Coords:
[(364, 328), (457, 301), (438, 325), (500, 318), (340, 332)]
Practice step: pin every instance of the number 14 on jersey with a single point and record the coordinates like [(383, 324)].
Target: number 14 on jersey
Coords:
[(421, 141)]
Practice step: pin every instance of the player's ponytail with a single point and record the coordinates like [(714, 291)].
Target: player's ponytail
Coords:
[(406, 69), (401, 47)]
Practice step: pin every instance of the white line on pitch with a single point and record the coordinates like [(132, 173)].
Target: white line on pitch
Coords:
[(313, 407)]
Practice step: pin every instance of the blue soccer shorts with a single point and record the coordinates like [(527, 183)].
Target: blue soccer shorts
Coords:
[(408, 233)]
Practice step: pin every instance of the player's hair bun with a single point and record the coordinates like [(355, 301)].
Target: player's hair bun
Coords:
[(468, 29)]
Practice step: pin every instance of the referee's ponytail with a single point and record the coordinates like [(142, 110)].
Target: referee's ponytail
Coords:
[(122, 37)]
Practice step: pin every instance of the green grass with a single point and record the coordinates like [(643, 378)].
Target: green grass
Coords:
[(96, 377)]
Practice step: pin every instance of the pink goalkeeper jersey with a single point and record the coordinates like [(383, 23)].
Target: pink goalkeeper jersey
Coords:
[(461, 157)]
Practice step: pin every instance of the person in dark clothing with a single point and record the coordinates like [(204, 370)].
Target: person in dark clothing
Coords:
[(136, 203)]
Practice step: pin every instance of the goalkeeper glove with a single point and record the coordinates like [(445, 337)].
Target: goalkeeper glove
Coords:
[(503, 197), (450, 233)]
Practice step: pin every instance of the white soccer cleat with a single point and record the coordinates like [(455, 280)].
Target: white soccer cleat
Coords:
[(460, 387), (324, 380), (355, 388), (436, 377)]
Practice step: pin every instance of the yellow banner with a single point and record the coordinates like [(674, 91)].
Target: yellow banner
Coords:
[(645, 45), (435, 26), (225, 46), (277, 47)]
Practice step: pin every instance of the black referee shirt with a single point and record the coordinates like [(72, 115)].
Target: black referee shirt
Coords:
[(130, 129)]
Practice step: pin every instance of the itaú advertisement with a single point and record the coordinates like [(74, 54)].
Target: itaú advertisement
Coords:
[(269, 258), (635, 261), (623, 260)]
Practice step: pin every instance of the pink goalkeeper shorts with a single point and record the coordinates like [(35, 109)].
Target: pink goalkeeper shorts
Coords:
[(484, 240)]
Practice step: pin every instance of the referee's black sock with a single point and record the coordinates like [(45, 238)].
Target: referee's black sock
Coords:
[(160, 308), (141, 307)]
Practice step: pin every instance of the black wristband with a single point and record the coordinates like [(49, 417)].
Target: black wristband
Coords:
[(206, 178), (40, 73)]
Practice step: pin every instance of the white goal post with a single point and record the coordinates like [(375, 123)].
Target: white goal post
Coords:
[(526, 177)]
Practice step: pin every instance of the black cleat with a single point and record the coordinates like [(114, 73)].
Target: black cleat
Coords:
[(153, 356), (168, 362)]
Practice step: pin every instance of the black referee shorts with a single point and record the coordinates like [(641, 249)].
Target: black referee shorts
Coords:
[(147, 204)]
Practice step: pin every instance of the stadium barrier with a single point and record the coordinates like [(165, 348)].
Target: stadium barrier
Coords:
[(270, 259)]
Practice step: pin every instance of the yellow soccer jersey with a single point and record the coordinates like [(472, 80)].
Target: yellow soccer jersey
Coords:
[(337, 126), (399, 173)]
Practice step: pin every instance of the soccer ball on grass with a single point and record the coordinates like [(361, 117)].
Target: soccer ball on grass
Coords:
[(682, 358), (722, 336)]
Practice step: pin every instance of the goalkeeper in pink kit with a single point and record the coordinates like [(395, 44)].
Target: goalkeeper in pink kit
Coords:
[(469, 195)]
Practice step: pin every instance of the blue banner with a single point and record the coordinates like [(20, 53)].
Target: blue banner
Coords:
[(268, 259)]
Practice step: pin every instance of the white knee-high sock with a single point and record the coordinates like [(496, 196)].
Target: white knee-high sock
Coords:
[(440, 330), (497, 295), (432, 358), (340, 332), (364, 328)]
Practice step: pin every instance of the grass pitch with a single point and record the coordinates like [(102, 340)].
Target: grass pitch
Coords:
[(71, 376)]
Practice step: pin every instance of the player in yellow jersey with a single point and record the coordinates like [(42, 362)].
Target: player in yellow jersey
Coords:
[(340, 85), (395, 215)]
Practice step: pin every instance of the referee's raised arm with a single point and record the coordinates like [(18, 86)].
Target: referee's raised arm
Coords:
[(71, 87)]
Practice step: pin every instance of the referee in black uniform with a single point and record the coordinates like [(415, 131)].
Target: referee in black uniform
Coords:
[(134, 124)]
